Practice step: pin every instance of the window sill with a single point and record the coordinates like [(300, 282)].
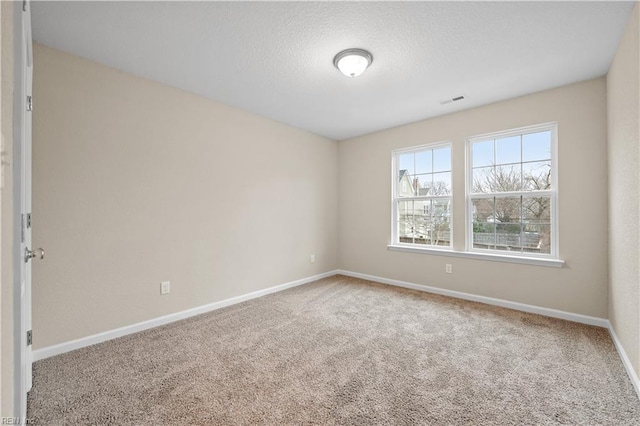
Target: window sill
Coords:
[(538, 261)]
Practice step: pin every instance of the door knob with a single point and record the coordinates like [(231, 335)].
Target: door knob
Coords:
[(30, 254)]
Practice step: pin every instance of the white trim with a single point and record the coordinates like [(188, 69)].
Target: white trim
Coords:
[(492, 255), (21, 204), (513, 132), (625, 360), (509, 194), (424, 146), (548, 312), (61, 348)]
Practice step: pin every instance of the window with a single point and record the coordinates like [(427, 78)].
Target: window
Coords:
[(422, 196), (512, 192)]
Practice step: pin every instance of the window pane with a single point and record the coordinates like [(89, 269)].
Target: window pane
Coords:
[(405, 185), (483, 210), (508, 237), (441, 231), (424, 162), (538, 239), (406, 223), (536, 210), (536, 146), (423, 184), (442, 159), (482, 153), (508, 226), (484, 235), (405, 209), (508, 210), (442, 209), (508, 150), (483, 180), (497, 179), (536, 176), (422, 215), (406, 162), (441, 184), (507, 178)]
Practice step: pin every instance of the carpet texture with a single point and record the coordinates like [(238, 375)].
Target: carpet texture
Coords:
[(343, 351)]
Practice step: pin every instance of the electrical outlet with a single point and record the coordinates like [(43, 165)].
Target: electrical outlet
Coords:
[(165, 287), (313, 258), (448, 268)]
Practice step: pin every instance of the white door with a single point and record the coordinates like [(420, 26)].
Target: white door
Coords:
[(26, 253)]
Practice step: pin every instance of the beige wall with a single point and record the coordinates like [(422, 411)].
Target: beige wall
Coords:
[(623, 106), (579, 287), (136, 183), (6, 199)]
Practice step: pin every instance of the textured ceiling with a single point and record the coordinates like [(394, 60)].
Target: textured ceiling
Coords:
[(276, 58)]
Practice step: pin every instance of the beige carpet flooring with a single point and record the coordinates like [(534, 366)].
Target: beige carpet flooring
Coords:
[(343, 351)]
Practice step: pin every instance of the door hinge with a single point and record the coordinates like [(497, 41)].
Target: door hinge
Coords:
[(29, 337), (28, 220), (29, 103)]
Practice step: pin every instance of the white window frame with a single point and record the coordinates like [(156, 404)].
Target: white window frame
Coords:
[(395, 238), (552, 193)]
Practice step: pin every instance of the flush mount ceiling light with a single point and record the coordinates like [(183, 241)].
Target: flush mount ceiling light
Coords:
[(352, 62)]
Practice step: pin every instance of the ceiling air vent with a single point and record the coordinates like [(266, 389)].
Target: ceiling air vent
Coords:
[(448, 101)]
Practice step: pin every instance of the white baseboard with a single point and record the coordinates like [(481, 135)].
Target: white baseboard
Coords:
[(554, 313), (61, 348), (625, 360)]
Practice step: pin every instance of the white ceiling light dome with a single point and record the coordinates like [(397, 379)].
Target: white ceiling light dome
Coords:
[(352, 62)]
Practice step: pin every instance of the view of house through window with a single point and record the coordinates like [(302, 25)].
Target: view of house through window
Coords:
[(512, 192), (422, 198)]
